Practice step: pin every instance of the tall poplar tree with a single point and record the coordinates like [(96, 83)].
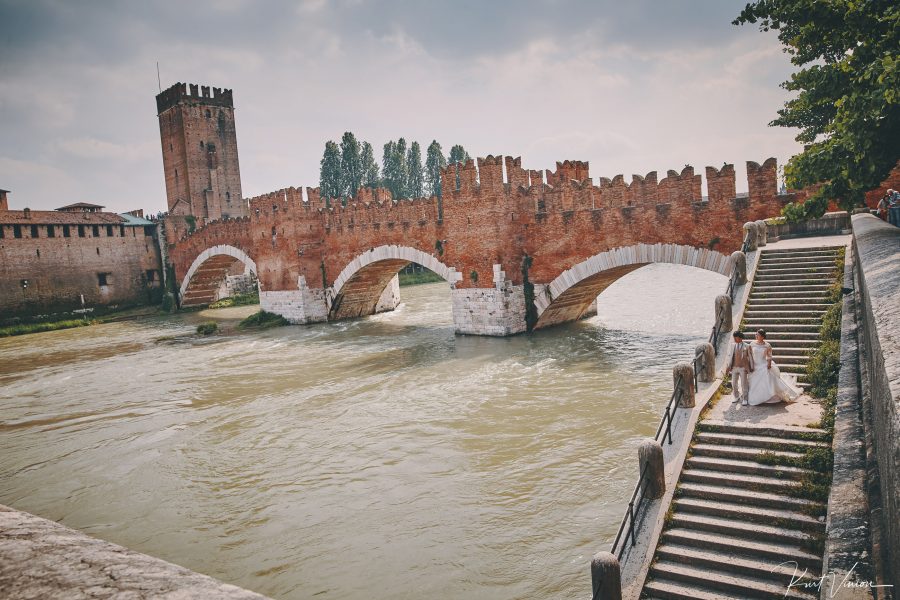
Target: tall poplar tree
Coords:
[(351, 165), (434, 162), (458, 155), (369, 167), (402, 174), (390, 169), (415, 182), (330, 185)]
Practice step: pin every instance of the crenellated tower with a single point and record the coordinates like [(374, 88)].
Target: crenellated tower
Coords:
[(200, 156)]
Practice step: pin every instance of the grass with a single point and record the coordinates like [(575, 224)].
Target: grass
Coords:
[(26, 328), (238, 300), (424, 276), (263, 320)]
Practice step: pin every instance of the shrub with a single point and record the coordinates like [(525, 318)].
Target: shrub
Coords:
[(207, 328), (263, 320), (793, 212), (823, 367)]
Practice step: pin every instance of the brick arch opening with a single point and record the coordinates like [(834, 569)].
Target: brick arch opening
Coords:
[(571, 293), (208, 273), (363, 285)]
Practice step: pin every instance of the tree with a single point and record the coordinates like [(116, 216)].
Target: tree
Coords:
[(847, 103), (458, 154), (434, 162), (390, 169), (351, 165), (415, 179), (330, 185), (369, 168), (402, 181)]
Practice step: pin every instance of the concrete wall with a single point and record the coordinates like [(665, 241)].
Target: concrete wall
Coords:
[(877, 262), (60, 269)]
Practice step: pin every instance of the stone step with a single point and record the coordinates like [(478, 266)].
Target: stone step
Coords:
[(778, 305), (764, 442), (791, 273), (781, 312), (772, 327), (789, 519), (740, 452), (777, 283), (656, 589), (776, 547), (769, 484), (796, 351), (734, 561), (779, 287), (726, 465), (722, 581), (748, 498), (788, 297), (759, 533), (797, 261), (791, 336), (783, 431), (800, 252)]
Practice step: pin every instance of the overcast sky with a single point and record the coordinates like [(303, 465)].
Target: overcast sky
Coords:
[(630, 86)]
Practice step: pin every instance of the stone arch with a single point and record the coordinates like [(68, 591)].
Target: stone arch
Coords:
[(571, 293), (360, 287), (208, 271)]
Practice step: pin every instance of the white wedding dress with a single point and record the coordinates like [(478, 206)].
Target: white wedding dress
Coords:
[(768, 386)]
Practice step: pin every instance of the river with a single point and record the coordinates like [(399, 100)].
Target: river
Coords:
[(377, 458)]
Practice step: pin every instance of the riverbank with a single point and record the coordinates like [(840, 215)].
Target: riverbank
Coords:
[(424, 276), (109, 317)]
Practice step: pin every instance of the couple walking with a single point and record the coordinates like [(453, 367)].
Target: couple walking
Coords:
[(757, 375)]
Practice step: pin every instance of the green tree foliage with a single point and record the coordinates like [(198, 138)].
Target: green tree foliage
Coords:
[(434, 162), (351, 165), (391, 174), (402, 173), (847, 102), (330, 185), (458, 155), (369, 167), (415, 178)]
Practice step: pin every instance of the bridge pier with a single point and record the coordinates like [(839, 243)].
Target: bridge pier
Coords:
[(301, 306), (495, 311)]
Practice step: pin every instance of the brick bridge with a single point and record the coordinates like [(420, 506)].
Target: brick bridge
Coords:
[(521, 251)]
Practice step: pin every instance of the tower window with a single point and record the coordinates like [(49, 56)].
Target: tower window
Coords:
[(67, 232), (102, 279), (121, 231), (201, 144), (51, 231), (17, 231), (81, 231), (34, 231), (109, 231), (95, 230), (228, 196)]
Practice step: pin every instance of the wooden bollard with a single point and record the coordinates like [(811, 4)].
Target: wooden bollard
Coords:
[(723, 314), (683, 375), (606, 577), (650, 459), (762, 233), (750, 229), (707, 355), (739, 260)]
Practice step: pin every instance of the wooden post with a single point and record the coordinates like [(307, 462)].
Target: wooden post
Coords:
[(683, 374), (750, 228), (739, 260), (650, 458), (606, 577), (707, 361)]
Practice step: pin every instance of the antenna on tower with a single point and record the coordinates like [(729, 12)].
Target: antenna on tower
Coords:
[(158, 80)]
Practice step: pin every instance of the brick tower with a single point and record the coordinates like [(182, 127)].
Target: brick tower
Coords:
[(200, 156)]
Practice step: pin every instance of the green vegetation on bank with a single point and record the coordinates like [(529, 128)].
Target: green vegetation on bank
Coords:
[(263, 320), (25, 328), (237, 300), (424, 276), (207, 328)]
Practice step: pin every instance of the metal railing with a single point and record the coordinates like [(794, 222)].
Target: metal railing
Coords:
[(627, 527)]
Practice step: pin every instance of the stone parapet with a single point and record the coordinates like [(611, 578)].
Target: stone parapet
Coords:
[(876, 255)]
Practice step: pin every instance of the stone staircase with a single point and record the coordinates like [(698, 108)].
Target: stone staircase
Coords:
[(788, 300), (206, 281), (739, 523)]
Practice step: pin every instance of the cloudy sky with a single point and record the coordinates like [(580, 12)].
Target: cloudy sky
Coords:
[(631, 86)]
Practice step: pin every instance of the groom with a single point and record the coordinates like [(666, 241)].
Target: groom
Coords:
[(741, 367)]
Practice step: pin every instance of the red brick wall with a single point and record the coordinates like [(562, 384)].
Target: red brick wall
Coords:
[(489, 220), (60, 269)]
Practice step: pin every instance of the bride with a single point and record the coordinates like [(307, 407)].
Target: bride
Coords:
[(766, 382)]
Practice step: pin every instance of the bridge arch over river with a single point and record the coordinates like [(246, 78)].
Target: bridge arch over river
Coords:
[(520, 249), (211, 270)]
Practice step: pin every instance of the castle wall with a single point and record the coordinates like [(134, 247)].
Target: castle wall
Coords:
[(59, 270)]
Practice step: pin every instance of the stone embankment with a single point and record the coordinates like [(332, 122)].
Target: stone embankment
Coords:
[(40, 559)]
